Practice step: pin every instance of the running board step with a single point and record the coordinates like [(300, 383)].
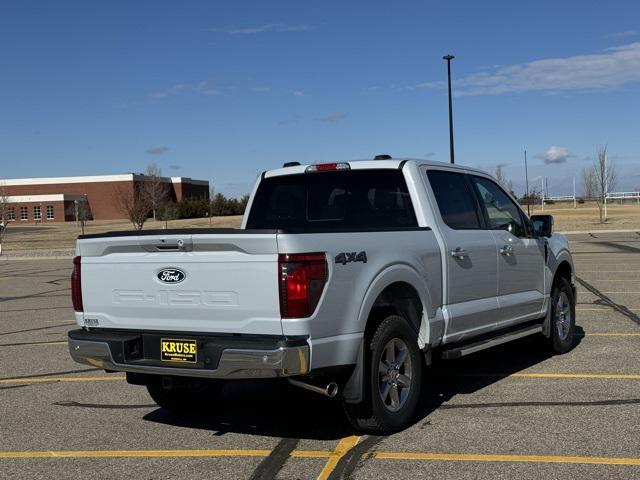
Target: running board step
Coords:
[(462, 350)]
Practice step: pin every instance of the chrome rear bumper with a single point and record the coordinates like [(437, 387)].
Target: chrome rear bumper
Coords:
[(233, 363)]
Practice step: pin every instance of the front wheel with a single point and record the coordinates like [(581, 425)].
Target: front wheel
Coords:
[(393, 379), (563, 317)]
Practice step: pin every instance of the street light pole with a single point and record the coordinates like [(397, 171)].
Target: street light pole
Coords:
[(448, 58), (526, 179)]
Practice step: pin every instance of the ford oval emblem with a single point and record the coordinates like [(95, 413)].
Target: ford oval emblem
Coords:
[(171, 275)]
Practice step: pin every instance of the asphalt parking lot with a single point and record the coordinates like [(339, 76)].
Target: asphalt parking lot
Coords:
[(513, 411)]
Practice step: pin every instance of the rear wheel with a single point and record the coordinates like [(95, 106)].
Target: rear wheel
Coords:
[(393, 379), (185, 397), (563, 317)]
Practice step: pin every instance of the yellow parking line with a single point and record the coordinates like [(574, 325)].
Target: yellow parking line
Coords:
[(343, 447), (605, 334), (61, 379), (463, 457), (607, 376), (134, 453), (333, 457)]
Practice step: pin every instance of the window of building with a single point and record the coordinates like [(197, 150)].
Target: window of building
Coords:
[(37, 214), (24, 213), (50, 212), (11, 213)]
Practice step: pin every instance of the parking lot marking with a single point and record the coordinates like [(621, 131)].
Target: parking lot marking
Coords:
[(29, 344), (333, 456), (470, 457), (62, 379), (604, 376), (133, 453), (606, 334), (343, 447)]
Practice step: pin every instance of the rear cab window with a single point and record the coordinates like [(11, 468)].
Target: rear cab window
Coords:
[(333, 201), (455, 199)]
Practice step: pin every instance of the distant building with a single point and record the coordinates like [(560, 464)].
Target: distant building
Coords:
[(55, 199)]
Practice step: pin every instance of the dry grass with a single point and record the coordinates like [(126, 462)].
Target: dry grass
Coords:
[(62, 236), (585, 217)]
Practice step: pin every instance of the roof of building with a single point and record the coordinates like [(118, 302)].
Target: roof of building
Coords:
[(126, 177), (56, 197)]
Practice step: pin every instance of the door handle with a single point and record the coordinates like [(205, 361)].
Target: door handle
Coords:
[(458, 252), (506, 250)]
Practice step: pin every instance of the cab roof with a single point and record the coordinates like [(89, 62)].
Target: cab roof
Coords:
[(368, 164)]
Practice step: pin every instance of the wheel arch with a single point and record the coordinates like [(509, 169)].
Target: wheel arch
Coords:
[(399, 289)]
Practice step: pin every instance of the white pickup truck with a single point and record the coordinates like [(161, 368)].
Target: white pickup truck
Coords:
[(345, 278)]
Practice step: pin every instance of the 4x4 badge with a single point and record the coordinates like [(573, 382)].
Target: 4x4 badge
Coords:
[(348, 257)]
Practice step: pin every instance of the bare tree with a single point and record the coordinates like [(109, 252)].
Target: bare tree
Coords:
[(598, 180), (167, 211), (210, 204), (588, 183), (4, 210), (154, 188), (83, 212), (134, 203), (502, 178)]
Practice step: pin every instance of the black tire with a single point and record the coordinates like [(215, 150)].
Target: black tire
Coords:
[(562, 335), (186, 399), (377, 415)]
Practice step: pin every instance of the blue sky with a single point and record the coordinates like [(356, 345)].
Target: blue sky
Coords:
[(223, 90)]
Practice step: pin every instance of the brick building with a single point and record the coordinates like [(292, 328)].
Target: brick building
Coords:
[(55, 199)]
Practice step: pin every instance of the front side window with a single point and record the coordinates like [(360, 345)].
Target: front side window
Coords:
[(455, 200), (37, 214), (333, 201), (24, 213), (50, 212), (502, 213)]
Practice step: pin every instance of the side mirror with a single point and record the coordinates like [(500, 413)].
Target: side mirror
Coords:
[(542, 225)]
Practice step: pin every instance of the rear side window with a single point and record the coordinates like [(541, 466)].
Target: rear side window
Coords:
[(455, 200), (338, 201)]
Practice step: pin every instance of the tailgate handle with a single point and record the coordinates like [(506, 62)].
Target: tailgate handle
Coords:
[(174, 246)]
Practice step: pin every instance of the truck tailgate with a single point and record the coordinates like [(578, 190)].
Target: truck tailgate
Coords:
[(196, 282)]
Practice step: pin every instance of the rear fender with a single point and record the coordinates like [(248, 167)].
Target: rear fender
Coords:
[(354, 388)]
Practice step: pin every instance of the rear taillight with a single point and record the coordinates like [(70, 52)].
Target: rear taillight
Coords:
[(302, 277), (76, 286)]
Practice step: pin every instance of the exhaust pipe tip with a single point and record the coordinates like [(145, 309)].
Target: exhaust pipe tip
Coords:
[(331, 389)]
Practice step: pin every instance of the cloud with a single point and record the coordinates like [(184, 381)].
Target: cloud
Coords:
[(555, 155), (299, 94), (200, 88), (333, 117), (610, 68), (157, 150), (266, 28), (624, 34), (175, 167)]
